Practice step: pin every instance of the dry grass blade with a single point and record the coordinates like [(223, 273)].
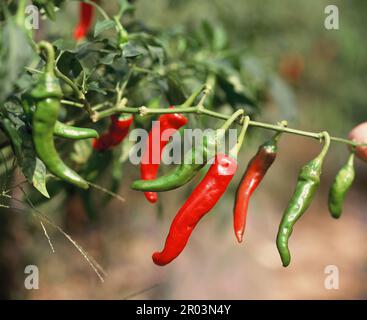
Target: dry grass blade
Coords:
[(47, 236), (96, 267), (112, 194)]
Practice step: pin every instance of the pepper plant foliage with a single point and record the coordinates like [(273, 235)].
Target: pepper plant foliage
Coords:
[(122, 58)]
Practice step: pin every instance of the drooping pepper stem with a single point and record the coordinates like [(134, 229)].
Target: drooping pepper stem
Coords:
[(283, 124), (326, 137), (20, 15), (191, 99), (234, 151), (50, 56), (232, 119), (222, 130), (350, 161)]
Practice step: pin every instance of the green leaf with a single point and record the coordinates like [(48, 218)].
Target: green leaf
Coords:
[(102, 26), (21, 140), (94, 86), (69, 65), (109, 58), (131, 51)]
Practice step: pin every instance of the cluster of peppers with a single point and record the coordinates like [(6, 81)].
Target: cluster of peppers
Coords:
[(212, 187), (42, 108)]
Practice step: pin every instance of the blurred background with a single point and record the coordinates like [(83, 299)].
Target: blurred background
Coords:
[(322, 85)]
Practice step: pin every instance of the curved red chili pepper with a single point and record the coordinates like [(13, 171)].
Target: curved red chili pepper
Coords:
[(255, 172), (85, 20), (155, 145), (201, 201), (117, 131)]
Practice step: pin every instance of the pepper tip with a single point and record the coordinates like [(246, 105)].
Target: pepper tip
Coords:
[(239, 236)]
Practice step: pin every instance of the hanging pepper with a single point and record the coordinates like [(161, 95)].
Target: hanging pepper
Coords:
[(342, 183), (201, 201), (255, 172), (63, 130), (85, 21), (47, 95), (60, 129), (308, 182), (155, 145), (193, 162), (118, 130)]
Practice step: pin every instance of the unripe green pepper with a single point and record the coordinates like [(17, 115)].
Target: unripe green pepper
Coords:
[(308, 182), (47, 96), (342, 183)]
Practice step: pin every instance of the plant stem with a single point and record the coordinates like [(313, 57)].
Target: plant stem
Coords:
[(99, 8), (236, 149), (20, 15), (72, 103), (279, 128), (50, 55), (120, 108)]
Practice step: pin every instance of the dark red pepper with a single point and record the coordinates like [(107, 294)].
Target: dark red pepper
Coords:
[(201, 201), (155, 145), (117, 131), (255, 172), (85, 21)]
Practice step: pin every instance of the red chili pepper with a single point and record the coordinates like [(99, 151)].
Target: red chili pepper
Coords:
[(85, 20), (255, 172), (201, 201), (155, 145), (117, 131)]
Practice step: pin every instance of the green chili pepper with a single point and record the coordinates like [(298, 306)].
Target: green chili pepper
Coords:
[(191, 164), (308, 182), (61, 130), (182, 174), (342, 183), (75, 133), (47, 95)]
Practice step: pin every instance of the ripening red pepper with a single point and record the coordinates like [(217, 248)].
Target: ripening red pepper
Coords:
[(117, 131), (155, 145), (201, 201), (255, 172), (85, 21)]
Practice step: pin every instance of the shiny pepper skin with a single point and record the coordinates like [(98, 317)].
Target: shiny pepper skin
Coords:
[(342, 183), (86, 12), (47, 95), (118, 130), (61, 130), (308, 182), (200, 202), (193, 162), (155, 145), (252, 177)]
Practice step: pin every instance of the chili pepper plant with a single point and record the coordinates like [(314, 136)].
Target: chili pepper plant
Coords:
[(69, 101)]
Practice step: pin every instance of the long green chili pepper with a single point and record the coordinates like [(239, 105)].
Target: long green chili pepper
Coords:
[(61, 129), (47, 95), (190, 166), (342, 183), (308, 182), (75, 133)]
